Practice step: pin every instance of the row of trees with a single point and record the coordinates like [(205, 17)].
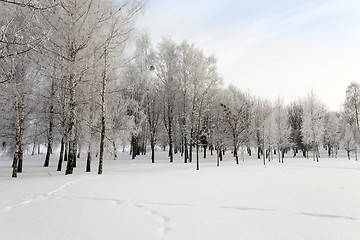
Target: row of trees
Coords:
[(70, 79), (57, 60)]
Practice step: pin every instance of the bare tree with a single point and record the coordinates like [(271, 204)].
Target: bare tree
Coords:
[(282, 129), (237, 116), (312, 128)]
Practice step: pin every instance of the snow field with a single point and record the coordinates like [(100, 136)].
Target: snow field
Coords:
[(135, 199)]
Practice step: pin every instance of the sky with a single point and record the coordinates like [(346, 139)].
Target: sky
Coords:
[(271, 49)]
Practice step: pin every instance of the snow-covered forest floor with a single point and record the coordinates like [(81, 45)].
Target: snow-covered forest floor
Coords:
[(134, 199)]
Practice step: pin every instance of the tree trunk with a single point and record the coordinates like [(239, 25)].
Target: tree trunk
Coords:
[(62, 146), (21, 134), (115, 150), (72, 131), (186, 150), (66, 155), (152, 145), (191, 145), (134, 146), (88, 161), (236, 156), (33, 149), (171, 154), (51, 123), (197, 151), (170, 127), (243, 154), (221, 154), (78, 152), (263, 149), (35, 141), (279, 153), (356, 157), (16, 158), (17, 138), (103, 122), (314, 155), (336, 151)]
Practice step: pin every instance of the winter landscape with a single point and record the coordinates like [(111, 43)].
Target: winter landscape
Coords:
[(135, 199), (109, 131)]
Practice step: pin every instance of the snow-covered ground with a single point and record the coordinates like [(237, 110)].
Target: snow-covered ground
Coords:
[(135, 199)]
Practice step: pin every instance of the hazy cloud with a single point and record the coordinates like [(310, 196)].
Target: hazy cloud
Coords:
[(270, 48)]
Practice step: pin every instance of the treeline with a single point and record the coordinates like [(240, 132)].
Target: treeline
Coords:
[(72, 77)]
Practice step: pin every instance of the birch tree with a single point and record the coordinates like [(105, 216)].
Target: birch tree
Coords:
[(348, 139), (332, 133), (166, 70), (312, 128), (261, 115), (282, 129), (237, 116), (295, 114), (352, 104)]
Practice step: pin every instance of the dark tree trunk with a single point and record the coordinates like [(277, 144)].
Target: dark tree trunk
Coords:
[(49, 147), (152, 144), (51, 123), (191, 143), (33, 149), (72, 131), (88, 162), (134, 146), (197, 153), (17, 139), (62, 146), (171, 154), (78, 152), (152, 152), (15, 162), (103, 122), (18, 155), (66, 155), (21, 134), (21, 156), (186, 151), (115, 150), (101, 152), (221, 154), (236, 156)]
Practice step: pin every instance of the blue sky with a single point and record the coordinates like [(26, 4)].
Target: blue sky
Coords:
[(269, 48)]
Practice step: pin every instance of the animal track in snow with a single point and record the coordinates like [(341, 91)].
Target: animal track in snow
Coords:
[(165, 221), (42, 196)]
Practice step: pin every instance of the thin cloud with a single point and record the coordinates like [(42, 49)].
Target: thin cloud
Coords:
[(270, 48)]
